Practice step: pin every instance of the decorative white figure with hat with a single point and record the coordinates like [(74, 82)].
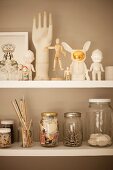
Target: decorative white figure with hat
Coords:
[(96, 66), (78, 67)]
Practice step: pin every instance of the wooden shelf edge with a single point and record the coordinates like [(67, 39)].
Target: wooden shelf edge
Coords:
[(37, 150), (56, 84)]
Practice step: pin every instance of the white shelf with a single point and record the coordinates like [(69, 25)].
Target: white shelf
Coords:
[(37, 150), (56, 84)]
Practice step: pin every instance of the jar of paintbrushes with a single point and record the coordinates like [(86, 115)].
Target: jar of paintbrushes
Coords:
[(25, 123)]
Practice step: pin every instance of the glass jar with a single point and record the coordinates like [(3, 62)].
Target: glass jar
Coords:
[(25, 136), (100, 122), (5, 137), (72, 131), (49, 131), (9, 124)]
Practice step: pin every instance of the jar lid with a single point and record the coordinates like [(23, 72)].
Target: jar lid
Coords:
[(7, 122), (99, 100), (49, 114), (72, 114), (5, 130)]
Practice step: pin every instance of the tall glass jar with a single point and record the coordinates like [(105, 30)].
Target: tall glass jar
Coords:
[(49, 131), (100, 114), (72, 131)]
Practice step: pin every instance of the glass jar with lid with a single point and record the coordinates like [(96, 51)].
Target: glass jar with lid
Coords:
[(49, 131), (9, 124), (5, 137), (72, 131), (100, 114)]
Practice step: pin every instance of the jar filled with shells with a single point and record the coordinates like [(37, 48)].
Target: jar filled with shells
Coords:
[(49, 131), (5, 137), (72, 129), (100, 117)]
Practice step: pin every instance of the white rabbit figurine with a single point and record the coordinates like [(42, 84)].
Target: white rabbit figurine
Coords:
[(96, 66), (78, 67)]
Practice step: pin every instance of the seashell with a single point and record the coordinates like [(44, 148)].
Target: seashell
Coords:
[(99, 140)]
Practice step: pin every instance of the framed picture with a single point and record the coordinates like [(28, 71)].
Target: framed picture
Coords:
[(13, 46), (18, 39)]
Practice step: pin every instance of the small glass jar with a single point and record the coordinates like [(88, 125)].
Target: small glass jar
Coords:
[(100, 114), (49, 131), (9, 124), (5, 137), (72, 131)]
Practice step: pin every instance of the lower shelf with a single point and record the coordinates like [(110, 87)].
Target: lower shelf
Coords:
[(37, 150)]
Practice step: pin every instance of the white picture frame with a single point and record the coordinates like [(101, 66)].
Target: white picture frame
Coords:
[(19, 39)]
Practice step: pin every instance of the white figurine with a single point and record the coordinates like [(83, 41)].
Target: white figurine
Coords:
[(58, 52), (42, 39), (96, 66), (27, 60), (67, 74), (78, 67)]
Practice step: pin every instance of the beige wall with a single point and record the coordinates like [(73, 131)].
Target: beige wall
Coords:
[(74, 21)]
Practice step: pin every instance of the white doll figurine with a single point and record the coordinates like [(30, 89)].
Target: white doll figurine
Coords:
[(27, 60), (67, 74), (58, 53), (78, 67), (96, 66)]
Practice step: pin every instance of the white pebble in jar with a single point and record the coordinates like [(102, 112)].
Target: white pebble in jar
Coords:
[(5, 137)]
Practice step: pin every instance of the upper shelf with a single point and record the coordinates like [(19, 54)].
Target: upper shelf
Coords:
[(56, 84)]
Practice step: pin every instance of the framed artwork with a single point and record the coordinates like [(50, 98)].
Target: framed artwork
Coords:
[(13, 46), (18, 39)]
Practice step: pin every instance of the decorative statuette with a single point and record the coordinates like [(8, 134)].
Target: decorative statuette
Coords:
[(58, 53), (67, 74), (27, 67), (78, 67), (96, 66), (42, 39)]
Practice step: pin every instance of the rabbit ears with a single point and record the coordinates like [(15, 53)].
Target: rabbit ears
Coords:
[(86, 46), (69, 49)]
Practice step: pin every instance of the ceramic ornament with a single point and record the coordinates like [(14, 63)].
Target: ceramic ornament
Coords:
[(78, 67), (26, 64), (96, 66), (42, 39)]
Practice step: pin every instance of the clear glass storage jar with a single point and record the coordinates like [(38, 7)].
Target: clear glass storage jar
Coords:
[(9, 124), (72, 129), (5, 137), (49, 131), (100, 114)]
